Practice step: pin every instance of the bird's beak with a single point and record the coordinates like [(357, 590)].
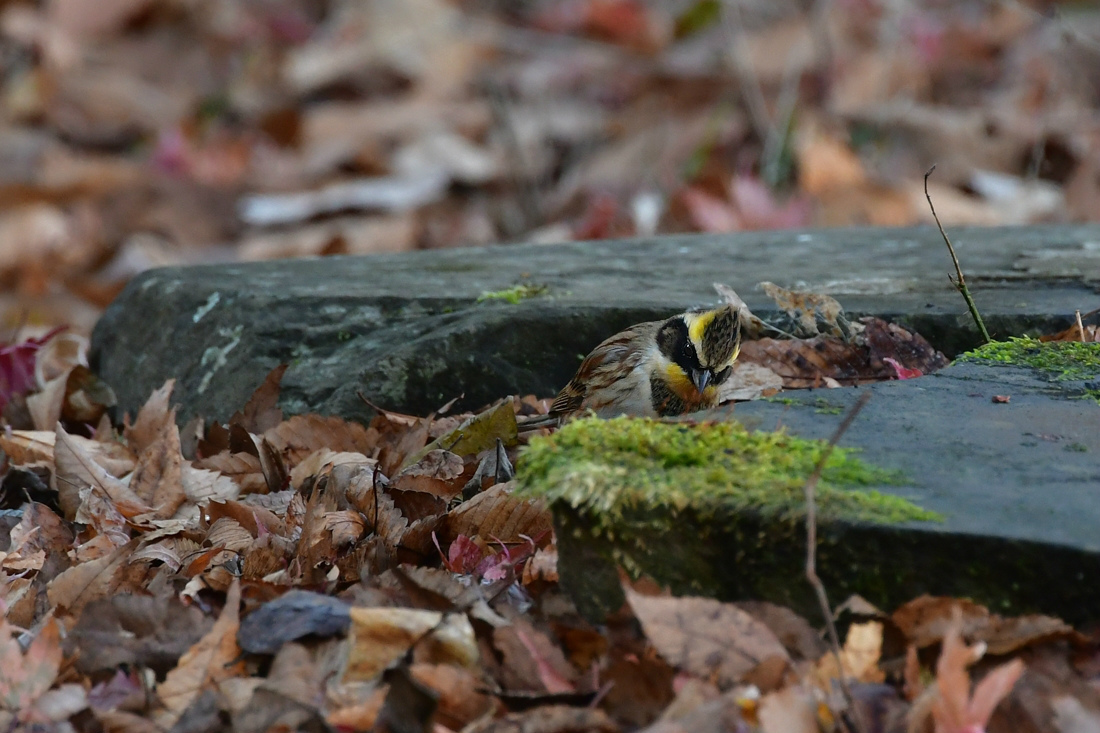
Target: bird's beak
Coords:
[(701, 378)]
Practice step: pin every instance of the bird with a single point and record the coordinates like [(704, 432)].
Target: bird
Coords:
[(655, 369)]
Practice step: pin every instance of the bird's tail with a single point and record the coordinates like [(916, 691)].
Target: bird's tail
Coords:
[(536, 422)]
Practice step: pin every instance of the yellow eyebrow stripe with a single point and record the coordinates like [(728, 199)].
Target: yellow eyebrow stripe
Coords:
[(697, 324)]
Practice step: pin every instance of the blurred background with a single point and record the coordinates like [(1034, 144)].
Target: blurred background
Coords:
[(140, 133)]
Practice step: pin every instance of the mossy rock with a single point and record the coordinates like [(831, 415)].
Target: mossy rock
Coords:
[(709, 508), (1072, 365)]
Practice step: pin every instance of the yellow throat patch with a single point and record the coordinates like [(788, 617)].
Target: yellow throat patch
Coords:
[(682, 385)]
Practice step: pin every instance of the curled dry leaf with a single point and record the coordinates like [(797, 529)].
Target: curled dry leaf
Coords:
[(437, 473), (158, 476), (172, 552), (301, 435), (320, 462), (452, 642), (1076, 332), (36, 447), (98, 512), (228, 534), (243, 468), (150, 419), (749, 381), (809, 314), (381, 636), (201, 486), (28, 447), (498, 514), (543, 566), (926, 620), (707, 638), (74, 469), (39, 531), (46, 404), (859, 657)]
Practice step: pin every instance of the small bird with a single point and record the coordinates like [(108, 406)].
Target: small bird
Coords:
[(656, 369)]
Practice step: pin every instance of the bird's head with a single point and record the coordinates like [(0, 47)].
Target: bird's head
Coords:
[(700, 347)]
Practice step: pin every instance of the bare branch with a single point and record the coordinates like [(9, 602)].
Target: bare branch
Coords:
[(811, 551), (960, 282)]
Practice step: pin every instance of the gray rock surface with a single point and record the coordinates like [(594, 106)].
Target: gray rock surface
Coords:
[(1028, 469), (408, 332)]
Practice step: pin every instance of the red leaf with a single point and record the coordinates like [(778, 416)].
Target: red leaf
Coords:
[(17, 366), (902, 371)]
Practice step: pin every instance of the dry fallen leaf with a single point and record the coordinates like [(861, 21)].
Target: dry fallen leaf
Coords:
[(498, 514), (26, 675), (88, 581), (956, 709), (210, 662), (158, 476), (381, 636), (708, 638), (75, 469)]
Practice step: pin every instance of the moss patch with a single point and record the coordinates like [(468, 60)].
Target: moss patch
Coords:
[(626, 465), (514, 294), (1063, 360)]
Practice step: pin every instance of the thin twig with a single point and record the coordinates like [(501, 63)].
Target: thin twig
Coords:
[(811, 552), (526, 192), (1081, 327), (960, 283), (751, 90), (779, 134)]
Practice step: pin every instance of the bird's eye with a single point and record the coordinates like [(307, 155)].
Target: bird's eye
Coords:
[(723, 375), (690, 355)]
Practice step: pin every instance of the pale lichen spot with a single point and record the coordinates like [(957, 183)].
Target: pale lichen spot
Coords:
[(214, 358), (206, 307)]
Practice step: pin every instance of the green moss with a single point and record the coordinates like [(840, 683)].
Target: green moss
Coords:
[(824, 407), (514, 294), (622, 466), (1062, 360)]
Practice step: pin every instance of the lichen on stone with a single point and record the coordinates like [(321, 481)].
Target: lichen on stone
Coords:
[(514, 294), (610, 467)]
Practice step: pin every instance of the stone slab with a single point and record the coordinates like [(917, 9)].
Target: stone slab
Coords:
[(407, 330), (1028, 469)]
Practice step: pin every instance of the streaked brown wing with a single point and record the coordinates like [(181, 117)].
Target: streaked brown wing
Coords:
[(609, 361)]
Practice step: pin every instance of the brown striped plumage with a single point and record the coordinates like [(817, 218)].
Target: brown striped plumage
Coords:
[(658, 368)]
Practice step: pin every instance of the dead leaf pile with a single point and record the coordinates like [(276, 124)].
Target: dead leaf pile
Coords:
[(313, 573), (813, 344)]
